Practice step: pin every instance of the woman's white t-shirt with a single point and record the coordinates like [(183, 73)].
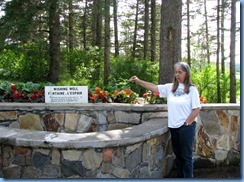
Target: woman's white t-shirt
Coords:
[(180, 104)]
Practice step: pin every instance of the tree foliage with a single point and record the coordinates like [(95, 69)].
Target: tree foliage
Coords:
[(68, 45)]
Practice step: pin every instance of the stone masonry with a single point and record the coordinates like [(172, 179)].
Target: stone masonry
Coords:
[(108, 140)]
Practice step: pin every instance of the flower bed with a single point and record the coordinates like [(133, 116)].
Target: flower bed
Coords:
[(22, 92), (34, 92)]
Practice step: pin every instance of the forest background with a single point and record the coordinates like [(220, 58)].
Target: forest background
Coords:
[(102, 43)]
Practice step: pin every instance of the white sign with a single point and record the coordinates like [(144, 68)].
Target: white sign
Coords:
[(66, 94)]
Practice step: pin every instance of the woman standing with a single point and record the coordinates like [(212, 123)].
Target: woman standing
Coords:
[(183, 107)]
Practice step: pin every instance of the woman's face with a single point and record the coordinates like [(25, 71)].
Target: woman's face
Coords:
[(180, 74)]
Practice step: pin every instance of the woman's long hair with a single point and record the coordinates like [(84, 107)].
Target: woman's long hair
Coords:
[(187, 82)]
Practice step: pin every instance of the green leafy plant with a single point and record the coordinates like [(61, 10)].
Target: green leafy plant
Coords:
[(22, 92), (28, 62)]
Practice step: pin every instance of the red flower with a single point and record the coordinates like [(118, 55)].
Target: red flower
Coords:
[(34, 91), (40, 92), (33, 96), (13, 87), (17, 95)]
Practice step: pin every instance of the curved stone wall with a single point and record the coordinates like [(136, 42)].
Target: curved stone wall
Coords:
[(218, 136), (107, 140)]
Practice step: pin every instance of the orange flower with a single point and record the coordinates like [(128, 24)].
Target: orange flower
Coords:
[(105, 93), (145, 95), (116, 92), (93, 97), (203, 100), (127, 91), (100, 95), (97, 89)]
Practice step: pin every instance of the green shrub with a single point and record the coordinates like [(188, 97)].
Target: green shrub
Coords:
[(204, 78), (81, 67), (30, 62), (123, 68)]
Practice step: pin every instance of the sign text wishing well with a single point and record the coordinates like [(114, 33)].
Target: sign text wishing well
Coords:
[(66, 94)]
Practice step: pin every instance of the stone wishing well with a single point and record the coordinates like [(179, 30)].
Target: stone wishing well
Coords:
[(108, 140)]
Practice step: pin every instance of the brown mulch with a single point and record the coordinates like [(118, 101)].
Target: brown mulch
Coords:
[(230, 172)]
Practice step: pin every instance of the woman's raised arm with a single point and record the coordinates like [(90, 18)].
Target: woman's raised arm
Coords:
[(150, 86)]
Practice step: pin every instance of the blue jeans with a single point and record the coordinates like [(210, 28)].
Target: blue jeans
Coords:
[(182, 142)]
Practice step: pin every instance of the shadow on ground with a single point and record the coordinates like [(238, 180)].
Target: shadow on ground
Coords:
[(231, 172)]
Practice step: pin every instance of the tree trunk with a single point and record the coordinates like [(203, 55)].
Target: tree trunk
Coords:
[(224, 84), (97, 34), (135, 30), (153, 30), (170, 39), (107, 43), (54, 39), (232, 53), (206, 27), (84, 27), (223, 37), (71, 26), (217, 57), (188, 34), (94, 23), (71, 36), (97, 23), (116, 39), (146, 29)]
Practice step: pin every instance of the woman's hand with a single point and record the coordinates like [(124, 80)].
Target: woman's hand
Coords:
[(134, 79)]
